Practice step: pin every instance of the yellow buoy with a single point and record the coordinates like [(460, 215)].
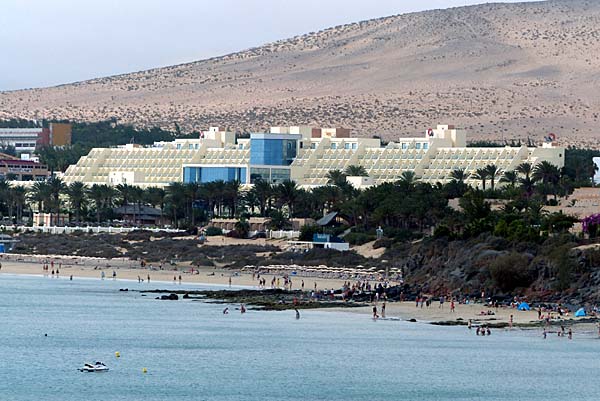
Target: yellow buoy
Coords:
[(144, 370), (117, 354)]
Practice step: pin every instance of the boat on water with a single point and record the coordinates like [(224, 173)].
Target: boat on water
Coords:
[(95, 367)]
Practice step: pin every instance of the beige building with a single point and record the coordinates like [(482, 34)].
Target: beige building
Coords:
[(303, 154)]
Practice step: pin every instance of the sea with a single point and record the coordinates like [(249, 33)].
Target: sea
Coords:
[(189, 350)]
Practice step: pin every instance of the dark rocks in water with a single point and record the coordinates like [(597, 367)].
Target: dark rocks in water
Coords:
[(413, 320), (123, 289), (170, 297)]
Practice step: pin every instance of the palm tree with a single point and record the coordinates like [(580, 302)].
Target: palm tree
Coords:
[(336, 177), (356, 171), (77, 198), (264, 192), (459, 175), (492, 172), (526, 169), (124, 192), (96, 195), (287, 192), (19, 196), (39, 193), (510, 177), (156, 197), (176, 198), (408, 178), (103, 198), (482, 175), (548, 174), (56, 187)]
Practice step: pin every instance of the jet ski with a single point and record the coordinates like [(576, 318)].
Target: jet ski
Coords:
[(96, 367)]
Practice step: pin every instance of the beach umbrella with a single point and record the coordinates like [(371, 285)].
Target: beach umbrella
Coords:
[(580, 313), (524, 306)]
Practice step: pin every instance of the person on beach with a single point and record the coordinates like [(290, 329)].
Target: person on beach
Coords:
[(102, 275), (452, 306), (56, 272), (375, 315), (383, 310), (242, 308), (570, 334), (139, 279), (71, 277), (297, 314), (544, 334), (470, 324), (148, 278), (230, 281), (53, 273), (180, 279), (302, 285), (174, 279), (488, 331), (510, 322), (442, 302)]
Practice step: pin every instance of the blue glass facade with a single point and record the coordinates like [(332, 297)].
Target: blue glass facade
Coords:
[(211, 174), (272, 152)]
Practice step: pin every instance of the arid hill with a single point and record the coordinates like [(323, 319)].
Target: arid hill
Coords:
[(503, 71)]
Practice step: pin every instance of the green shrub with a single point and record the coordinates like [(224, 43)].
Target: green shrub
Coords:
[(511, 271), (359, 238), (212, 231)]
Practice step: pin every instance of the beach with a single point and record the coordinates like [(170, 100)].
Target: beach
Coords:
[(127, 270), (130, 270)]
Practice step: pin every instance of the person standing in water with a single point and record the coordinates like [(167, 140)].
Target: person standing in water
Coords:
[(383, 310), (148, 277), (102, 275), (297, 314), (242, 308), (375, 315)]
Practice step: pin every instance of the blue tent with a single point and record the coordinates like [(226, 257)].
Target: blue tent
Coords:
[(524, 306), (580, 312)]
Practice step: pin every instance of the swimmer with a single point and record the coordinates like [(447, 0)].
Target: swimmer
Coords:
[(297, 314), (242, 309), (226, 311)]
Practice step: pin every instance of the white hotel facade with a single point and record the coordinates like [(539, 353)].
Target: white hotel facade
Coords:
[(303, 154)]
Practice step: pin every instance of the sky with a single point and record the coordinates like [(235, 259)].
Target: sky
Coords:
[(51, 42)]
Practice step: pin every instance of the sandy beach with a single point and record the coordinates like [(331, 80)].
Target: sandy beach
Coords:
[(130, 270)]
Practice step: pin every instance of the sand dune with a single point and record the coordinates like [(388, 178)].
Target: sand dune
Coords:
[(503, 71)]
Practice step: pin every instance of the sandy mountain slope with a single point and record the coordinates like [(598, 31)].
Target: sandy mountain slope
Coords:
[(503, 71)]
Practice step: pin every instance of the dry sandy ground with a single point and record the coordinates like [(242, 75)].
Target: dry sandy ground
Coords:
[(501, 71), (129, 270), (407, 310)]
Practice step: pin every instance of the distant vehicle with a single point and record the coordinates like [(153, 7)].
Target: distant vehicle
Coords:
[(97, 367), (259, 234)]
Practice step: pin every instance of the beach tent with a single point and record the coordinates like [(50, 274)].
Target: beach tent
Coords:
[(580, 312), (524, 306)]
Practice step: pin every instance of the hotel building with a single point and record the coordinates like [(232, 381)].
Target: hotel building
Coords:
[(302, 154)]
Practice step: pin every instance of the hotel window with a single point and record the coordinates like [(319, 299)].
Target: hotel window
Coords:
[(417, 145), (313, 145), (346, 146), (425, 146), (354, 145), (178, 146), (404, 145), (334, 146)]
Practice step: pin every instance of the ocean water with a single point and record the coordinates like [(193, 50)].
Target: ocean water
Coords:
[(193, 352)]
